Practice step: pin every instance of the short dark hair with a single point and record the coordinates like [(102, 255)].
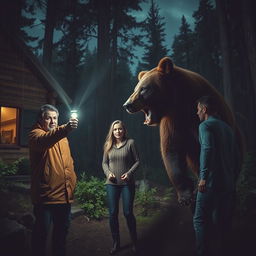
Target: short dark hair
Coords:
[(45, 108), (209, 102)]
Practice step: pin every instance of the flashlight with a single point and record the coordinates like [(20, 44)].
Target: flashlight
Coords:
[(74, 114)]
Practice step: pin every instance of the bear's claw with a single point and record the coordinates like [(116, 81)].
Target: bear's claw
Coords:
[(186, 198)]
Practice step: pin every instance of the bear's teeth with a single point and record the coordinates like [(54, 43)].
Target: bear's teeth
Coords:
[(148, 117)]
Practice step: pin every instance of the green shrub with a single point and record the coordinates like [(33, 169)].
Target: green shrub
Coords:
[(7, 169), (91, 195), (146, 200), (155, 174), (19, 167), (169, 193), (23, 166)]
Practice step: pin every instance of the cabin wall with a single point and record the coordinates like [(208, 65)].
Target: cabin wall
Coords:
[(21, 86)]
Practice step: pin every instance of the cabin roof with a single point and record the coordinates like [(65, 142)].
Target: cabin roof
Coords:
[(50, 82)]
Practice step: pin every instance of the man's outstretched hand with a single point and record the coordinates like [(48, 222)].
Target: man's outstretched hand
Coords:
[(72, 124)]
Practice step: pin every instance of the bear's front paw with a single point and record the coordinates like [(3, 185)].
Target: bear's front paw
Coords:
[(185, 197)]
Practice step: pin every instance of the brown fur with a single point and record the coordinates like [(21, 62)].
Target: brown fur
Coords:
[(174, 106)]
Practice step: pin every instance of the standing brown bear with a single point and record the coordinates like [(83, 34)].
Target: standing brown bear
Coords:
[(167, 95)]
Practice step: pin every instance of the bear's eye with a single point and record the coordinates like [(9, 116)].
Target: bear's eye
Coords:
[(147, 90), (143, 90)]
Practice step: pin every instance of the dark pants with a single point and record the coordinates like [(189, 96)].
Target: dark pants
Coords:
[(47, 214), (212, 221), (113, 195)]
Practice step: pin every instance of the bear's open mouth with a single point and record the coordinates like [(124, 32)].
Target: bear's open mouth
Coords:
[(148, 116)]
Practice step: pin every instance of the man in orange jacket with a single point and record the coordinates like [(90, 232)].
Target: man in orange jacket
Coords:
[(53, 180)]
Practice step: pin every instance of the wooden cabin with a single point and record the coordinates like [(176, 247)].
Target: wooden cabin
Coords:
[(25, 85)]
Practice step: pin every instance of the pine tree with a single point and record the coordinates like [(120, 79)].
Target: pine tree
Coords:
[(182, 46), (27, 22), (206, 54), (14, 18), (71, 48), (154, 28), (123, 36)]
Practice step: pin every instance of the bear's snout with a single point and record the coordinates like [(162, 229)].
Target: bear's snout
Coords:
[(129, 107), (133, 106)]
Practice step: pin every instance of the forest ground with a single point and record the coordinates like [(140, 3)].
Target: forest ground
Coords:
[(168, 232), (170, 235)]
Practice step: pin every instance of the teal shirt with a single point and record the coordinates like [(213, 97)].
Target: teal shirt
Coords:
[(218, 155)]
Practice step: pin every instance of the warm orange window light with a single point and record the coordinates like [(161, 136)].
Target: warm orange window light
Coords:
[(8, 125)]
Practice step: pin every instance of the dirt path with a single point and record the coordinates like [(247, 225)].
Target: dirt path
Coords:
[(170, 235), (166, 236)]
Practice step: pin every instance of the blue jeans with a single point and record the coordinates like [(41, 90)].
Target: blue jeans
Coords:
[(47, 214), (213, 217), (113, 196)]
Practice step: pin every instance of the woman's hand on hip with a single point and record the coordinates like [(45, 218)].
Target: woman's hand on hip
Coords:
[(112, 177), (125, 177)]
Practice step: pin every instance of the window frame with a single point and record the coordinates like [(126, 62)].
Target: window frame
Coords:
[(18, 127)]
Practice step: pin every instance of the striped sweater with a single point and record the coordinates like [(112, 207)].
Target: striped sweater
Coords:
[(121, 160)]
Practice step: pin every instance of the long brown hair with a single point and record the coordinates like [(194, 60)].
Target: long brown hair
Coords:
[(110, 139)]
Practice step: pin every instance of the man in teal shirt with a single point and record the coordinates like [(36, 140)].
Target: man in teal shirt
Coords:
[(219, 168)]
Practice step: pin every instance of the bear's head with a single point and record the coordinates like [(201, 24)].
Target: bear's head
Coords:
[(150, 94)]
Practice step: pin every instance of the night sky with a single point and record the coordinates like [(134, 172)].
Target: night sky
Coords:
[(171, 10)]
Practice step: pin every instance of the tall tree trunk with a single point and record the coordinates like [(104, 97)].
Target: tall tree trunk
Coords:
[(71, 73), (103, 43), (114, 49), (103, 104), (249, 57), (10, 15), (250, 37), (48, 34), (225, 49)]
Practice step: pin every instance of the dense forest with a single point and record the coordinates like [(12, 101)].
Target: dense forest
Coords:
[(89, 46)]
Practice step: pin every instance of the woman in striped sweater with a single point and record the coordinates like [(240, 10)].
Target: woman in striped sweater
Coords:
[(120, 160)]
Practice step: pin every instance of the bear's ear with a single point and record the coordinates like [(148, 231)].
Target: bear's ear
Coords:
[(141, 74), (165, 65)]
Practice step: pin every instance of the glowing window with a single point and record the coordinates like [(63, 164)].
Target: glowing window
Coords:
[(8, 125)]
